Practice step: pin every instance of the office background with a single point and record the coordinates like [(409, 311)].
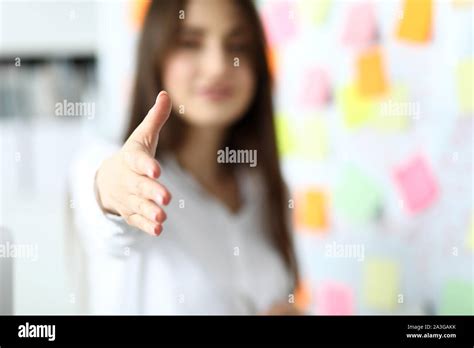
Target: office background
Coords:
[(374, 106)]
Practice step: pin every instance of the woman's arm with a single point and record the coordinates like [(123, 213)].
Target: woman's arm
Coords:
[(126, 184), (100, 181)]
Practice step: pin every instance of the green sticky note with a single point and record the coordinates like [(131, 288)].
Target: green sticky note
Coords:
[(356, 195), (395, 111), (357, 110), (381, 284), (315, 10), (465, 77), (285, 135), (457, 298)]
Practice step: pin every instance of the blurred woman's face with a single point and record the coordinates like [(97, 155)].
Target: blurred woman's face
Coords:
[(208, 74)]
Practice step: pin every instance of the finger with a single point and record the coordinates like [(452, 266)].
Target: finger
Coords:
[(148, 131), (142, 163), (149, 189), (146, 208), (144, 224)]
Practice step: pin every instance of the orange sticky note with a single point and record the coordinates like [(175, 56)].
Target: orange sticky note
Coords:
[(139, 12), (415, 24), (371, 79), (311, 209), (303, 296), (272, 62)]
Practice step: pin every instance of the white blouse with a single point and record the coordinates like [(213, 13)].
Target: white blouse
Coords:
[(207, 260)]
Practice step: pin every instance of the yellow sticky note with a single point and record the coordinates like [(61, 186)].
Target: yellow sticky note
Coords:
[(285, 135), (371, 80), (415, 24), (305, 138), (395, 111), (470, 238), (465, 78), (357, 110), (311, 209), (315, 11), (381, 284), (311, 135), (462, 3)]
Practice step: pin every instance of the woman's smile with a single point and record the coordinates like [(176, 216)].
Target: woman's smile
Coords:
[(216, 93)]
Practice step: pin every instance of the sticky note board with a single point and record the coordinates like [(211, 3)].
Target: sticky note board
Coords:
[(457, 298), (381, 284), (357, 196), (334, 298), (311, 209), (416, 183), (371, 80), (416, 23)]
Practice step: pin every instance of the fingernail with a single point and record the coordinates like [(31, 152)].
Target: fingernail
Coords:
[(158, 230), (160, 94), (159, 199)]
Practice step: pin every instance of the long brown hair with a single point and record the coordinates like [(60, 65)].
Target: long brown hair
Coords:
[(255, 130)]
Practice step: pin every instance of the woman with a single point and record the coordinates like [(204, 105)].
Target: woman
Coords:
[(225, 247)]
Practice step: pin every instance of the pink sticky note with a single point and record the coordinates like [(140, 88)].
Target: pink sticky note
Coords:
[(361, 28), (416, 184), (279, 21), (315, 88), (334, 298)]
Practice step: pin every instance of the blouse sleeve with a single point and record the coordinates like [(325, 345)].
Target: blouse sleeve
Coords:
[(96, 229)]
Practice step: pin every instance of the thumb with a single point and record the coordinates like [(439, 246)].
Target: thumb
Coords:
[(148, 131)]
